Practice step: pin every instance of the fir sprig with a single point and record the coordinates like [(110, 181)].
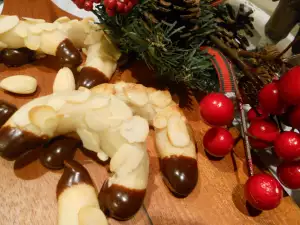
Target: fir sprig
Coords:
[(154, 43)]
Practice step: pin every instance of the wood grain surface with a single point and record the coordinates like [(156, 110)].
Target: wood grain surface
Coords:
[(28, 190)]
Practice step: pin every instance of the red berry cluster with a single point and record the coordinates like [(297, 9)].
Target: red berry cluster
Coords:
[(281, 98), (86, 4), (217, 110), (119, 6)]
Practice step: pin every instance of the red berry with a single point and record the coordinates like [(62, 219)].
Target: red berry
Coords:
[(217, 109), (134, 2), (120, 7), (287, 146), (111, 4), (289, 174), (263, 192), (125, 1), (218, 141), (97, 1), (79, 3), (269, 99), (288, 86), (129, 7), (294, 117), (265, 131), (88, 5), (110, 12), (252, 114)]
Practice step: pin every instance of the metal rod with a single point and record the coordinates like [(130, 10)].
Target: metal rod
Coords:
[(247, 147)]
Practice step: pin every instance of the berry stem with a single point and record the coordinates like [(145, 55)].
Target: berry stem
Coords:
[(247, 147), (279, 123)]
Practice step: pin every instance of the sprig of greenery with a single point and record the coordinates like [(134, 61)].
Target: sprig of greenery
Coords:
[(154, 44)]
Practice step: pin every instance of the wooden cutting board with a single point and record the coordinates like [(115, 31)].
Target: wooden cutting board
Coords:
[(28, 190)]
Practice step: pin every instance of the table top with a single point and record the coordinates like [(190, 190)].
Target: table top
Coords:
[(28, 190)]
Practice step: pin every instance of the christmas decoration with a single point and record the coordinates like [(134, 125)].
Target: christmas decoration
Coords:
[(263, 192), (289, 86), (263, 133), (287, 145), (233, 27), (217, 109), (218, 141), (269, 99), (289, 174), (256, 114)]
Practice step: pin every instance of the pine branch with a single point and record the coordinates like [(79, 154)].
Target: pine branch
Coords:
[(155, 44)]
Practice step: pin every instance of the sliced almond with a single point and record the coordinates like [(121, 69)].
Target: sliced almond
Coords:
[(126, 159), (79, 96), (7, 23), (137, 94), (91, 215), (45, 118), (119, 109), (98, 102), (98, 120), (35, 29), (32, 42), (50, 40), (104, 89), (109, 49), (102, 156), (160, 122), (160, 98), (19, 84), (22, 29), (135, 129), (21, 117), (74, 198), (56, 103), (178, 132), (93, 37), (89, 139), (63, 19), (34, 21), (48, 26), (32, 128), (64, 80)]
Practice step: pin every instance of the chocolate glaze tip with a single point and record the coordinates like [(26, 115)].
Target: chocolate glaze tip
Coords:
[(15, 142), (57, 151), (17, 57), (74, 173), (6, 111), (180, 174), (68, 54), (90, 77), (120, 202)]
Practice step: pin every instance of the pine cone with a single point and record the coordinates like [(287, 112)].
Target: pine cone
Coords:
[(184, 12), (234, 27)]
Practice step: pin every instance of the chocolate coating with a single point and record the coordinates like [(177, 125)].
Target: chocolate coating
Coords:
[(90, 77), (17, 57), (15, 142), (180, 174), (74, 173), (68, 54), (6, 111), (120, 202), (57, 151)]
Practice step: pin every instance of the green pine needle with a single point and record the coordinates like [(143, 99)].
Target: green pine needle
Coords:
[(154, 44)]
